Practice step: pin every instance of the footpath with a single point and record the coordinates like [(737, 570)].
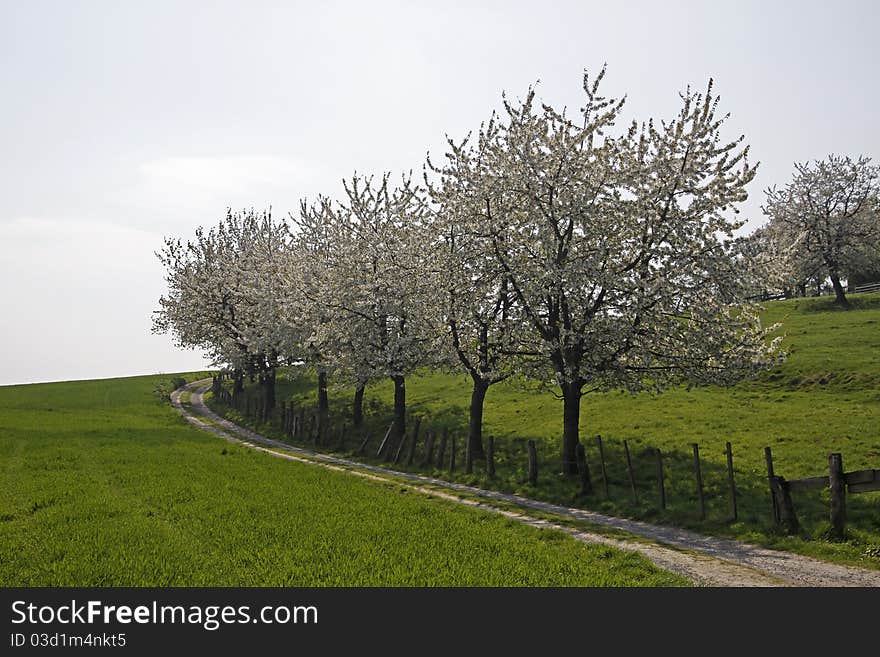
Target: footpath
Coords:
[(705, 560)]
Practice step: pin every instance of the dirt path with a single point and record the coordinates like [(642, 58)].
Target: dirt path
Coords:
[(706, 560)]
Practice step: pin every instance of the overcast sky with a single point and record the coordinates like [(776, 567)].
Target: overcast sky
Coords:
[(124, 122)]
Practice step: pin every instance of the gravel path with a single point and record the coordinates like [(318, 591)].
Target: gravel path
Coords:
[(706, 560)]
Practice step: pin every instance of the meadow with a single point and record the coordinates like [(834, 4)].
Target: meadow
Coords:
[(825, 398), (104, 484)]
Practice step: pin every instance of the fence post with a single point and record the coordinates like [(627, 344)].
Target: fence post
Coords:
[(661, 484), (441, 453), (629, 469), (784, 506), (384, 440), (774, 507), (490, 456), (342, 436), (533, 463), (583, 470), (452, 454), (363, 445), (415, 438), (400, 447), (429, 448), (838, 495), (699, 475), (602, 464), (731, 482)]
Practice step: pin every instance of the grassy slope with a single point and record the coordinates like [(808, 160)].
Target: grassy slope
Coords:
[(104, 484), (825, 398)]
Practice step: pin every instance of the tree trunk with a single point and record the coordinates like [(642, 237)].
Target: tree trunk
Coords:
[(323, 403), (475, 434), (269, 389), (571, 400), (838, 290), (399, 408), (357, 407)]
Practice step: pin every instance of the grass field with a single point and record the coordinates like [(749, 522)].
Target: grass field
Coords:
[(825, 398), (104, 484)]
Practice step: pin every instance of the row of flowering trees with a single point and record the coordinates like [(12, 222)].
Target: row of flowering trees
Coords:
[(544, 245)]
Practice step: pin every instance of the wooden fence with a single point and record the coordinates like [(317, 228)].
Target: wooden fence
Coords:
[(836, 481), (439, 449), (867, 287)]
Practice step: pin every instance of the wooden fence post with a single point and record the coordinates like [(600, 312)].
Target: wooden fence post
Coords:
[(490, 456), (602, 465), (629, 468), (415, 439), (429, 448), (363, 445), (730, 481), (384, 440), (583, 470), (403, 441), (661, 483), (341, 445), (699, 475), (784, 506), (774, 507), (442, 451), (452, 454), (301, 424), (533, 463), (838, 495), (468, 456)]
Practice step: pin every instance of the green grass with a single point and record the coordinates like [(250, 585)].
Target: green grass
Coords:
[(825, 398), (104, 484)]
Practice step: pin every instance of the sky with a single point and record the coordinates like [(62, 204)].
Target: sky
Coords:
[(124, 123)]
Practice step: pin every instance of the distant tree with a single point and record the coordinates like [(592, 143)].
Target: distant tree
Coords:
[(829, 217), (222, 295), (618, 251)]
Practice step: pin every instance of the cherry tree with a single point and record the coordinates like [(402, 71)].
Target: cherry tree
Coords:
[(370, 284), (618, 250), (473, 303), (829, 217), (222, 292)]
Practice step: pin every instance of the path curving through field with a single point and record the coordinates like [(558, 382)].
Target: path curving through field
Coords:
[(706, 560)]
